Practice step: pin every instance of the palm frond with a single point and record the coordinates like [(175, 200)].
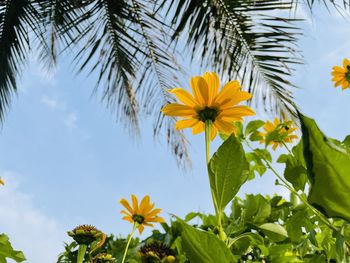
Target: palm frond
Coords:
[(242, 39), (159, 72), (18, 19), (108, 48)]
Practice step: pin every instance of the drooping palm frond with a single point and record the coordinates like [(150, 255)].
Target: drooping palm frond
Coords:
[(339, 5), (252, 40), (18, 19), (159, 72)]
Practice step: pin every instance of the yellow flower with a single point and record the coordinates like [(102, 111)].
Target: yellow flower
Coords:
[(2, 182), (285, 132), (341, 75), (209, 104), (141, 215)]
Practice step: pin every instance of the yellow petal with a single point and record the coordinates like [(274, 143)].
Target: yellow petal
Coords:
[(338, 83), (198, 128), (135, 204), (125, 213), (182, 124), (340, 69), (276, 121), (184, 96), (128, 218), (155, 219), (224, 127), (213, 132), (196, 85), (145, 204), (231, 118), (213, 82), (227, 92), (346, 63), (126, 204), (239, 97), (153, 212), (2, 182), (140, 228), (344, 85), (237, 111), (203, 89), (179, 110)]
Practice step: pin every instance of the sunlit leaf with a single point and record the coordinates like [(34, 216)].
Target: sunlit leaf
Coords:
[(228, 171), (329, 171)]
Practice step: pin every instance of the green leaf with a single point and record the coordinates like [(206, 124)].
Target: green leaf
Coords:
[(6, 250), (228, 171), (275, 232), (295, 173), (203, 247), (253, 126), (329, 171)]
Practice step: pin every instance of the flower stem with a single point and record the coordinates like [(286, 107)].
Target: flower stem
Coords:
[(81, 253), (207, 140), (129, 240), (208, 125)]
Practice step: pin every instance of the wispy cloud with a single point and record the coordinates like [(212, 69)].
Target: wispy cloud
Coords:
[(70, 120), (39, 236)]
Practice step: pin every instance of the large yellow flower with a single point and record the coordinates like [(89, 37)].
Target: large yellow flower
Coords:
[(2, 182), (209, 104), (141, 215), (341, 75), (285, 131)]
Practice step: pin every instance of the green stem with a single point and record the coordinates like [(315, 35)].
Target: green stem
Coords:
[(129, 240), (285, 145), (81, 253), (207, 140), (208, 125)]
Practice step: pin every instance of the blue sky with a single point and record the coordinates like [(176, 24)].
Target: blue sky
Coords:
[(67, 161)]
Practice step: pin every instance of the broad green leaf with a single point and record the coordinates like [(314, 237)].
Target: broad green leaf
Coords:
[(255, 136), (253, 126), (204, 247), (329, 171), (243, 242), (6, 250), (228, 171), (274, 232)]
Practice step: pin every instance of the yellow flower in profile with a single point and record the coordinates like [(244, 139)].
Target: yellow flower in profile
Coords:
[(2, 182), (141, 215), (209, 104), (341, 75), (284, 131)]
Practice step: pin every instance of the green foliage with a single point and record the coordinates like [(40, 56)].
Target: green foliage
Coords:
[(201, 246), (258, 228), (7, 252), (228, 170), (328, 166)]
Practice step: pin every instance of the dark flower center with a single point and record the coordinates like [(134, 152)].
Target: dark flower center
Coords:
[(208, 114), (138, 219), (347, 74)]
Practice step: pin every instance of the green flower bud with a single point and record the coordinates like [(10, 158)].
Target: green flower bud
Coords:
[(85, 234)]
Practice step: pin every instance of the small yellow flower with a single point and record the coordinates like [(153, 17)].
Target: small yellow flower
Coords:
[(341, 75), (209, 104), (285, 129), (2, 182), (141, 215)]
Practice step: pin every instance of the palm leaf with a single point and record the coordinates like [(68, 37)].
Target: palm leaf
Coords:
[(18, 20)]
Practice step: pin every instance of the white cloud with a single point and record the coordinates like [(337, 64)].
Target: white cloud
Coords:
[(53, 104), (30, 230), (71, 120)]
